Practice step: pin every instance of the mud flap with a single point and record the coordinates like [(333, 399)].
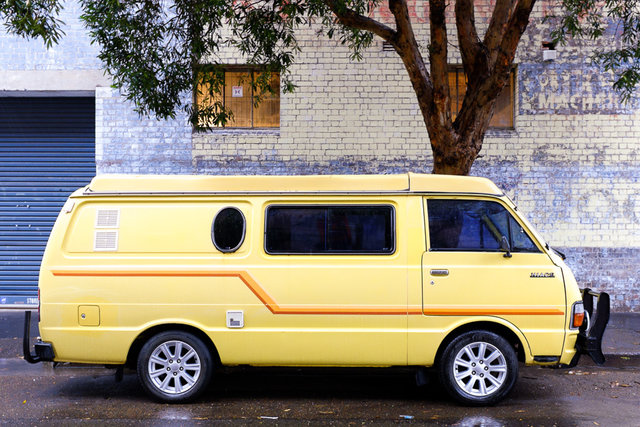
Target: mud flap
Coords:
[(43, 350), (590, 336)]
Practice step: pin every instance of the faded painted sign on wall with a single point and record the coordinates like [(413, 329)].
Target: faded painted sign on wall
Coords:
[(567, 89)]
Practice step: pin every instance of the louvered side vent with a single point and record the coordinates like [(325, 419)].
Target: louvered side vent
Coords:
[(105, 241), (387, 47), (108, 218)]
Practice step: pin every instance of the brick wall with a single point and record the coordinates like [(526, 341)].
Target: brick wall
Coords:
[(73, 52), (128, 143)]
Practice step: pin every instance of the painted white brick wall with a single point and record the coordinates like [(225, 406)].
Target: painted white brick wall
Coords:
[(128, 143), (74, 52)]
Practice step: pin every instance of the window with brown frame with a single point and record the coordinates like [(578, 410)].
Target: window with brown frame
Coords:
[(239, 97), (503, 113)]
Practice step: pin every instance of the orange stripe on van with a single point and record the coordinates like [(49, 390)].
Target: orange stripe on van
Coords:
[(275, 308), (491, 311)]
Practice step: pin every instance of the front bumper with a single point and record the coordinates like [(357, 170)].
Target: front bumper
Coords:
[(590, 336)]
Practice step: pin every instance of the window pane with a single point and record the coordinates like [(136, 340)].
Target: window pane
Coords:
[(227, 232), (459, 225), (465, 225), (205, 100), (267, 113), (364, 229), (503, 113), (456, 101), (521, 241), (237, 95), (329, 229), (295, 230)]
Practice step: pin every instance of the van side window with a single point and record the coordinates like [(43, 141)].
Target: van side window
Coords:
[(329, 230), (228, 229), (474, 225)]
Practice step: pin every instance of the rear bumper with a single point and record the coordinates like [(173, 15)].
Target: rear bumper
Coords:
[(43, 350), (589, 339)]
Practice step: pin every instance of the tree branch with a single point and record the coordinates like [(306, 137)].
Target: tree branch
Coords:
[(439, 65), (350, 18), (401, 16), (497, 28), (515, 27), (471, 48)]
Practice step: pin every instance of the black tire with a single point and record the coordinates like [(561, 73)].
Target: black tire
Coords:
[(174, 366), (478, 368)]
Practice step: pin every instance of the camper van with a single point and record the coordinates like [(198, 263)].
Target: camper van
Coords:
[(175, 276)]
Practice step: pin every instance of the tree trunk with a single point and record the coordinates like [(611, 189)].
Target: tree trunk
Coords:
[(454, 154)]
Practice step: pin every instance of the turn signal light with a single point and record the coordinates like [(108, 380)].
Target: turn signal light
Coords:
[(577, 317)]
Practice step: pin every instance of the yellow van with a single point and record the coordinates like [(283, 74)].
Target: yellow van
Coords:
[(177, 275)]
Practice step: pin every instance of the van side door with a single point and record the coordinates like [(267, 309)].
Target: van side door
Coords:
[(481, 262), (333, 274)]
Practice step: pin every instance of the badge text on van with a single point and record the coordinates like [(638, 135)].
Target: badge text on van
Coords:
[(543, 275)]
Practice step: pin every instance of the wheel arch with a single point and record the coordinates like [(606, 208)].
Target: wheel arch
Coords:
[(516, 340), (138, 342)]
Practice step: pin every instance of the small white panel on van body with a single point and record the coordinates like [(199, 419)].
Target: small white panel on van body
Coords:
[(235, 319), (108, 218), (105, 241)]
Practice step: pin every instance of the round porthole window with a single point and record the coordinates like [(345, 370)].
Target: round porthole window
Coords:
[(228, 229)]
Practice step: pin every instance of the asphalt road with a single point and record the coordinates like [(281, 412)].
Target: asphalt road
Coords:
[(583, 396)]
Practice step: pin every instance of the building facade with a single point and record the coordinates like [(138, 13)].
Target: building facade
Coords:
[(568, 155)]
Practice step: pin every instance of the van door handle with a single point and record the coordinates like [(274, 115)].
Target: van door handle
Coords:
[(439, 272)]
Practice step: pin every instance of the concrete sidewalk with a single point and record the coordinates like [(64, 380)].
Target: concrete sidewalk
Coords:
[(622, 336)]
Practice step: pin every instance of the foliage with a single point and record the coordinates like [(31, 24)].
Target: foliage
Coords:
[(33, 19), (619, 20), (156, 49)]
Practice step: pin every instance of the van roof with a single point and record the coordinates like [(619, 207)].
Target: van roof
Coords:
[(187, 184)]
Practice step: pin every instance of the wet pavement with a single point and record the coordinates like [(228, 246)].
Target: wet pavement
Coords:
[(587, 395), (583, 396)]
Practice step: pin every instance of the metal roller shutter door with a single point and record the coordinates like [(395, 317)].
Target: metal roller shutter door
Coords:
[(47, 150)]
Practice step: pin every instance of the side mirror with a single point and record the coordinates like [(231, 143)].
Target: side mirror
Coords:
[(504, 247)]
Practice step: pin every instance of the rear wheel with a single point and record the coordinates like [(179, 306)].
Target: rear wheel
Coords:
[(479, 368), (174, 366)]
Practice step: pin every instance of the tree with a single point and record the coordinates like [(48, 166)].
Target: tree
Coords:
[(158, 50), (32, 18)]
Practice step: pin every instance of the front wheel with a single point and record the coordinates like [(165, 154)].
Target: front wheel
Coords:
[(174, 366), (478, 368)]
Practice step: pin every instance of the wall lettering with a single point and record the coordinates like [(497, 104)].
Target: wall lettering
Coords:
[(569, 89)]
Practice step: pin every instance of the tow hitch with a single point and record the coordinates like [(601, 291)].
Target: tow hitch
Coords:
[(44, 350), (590, 336)]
